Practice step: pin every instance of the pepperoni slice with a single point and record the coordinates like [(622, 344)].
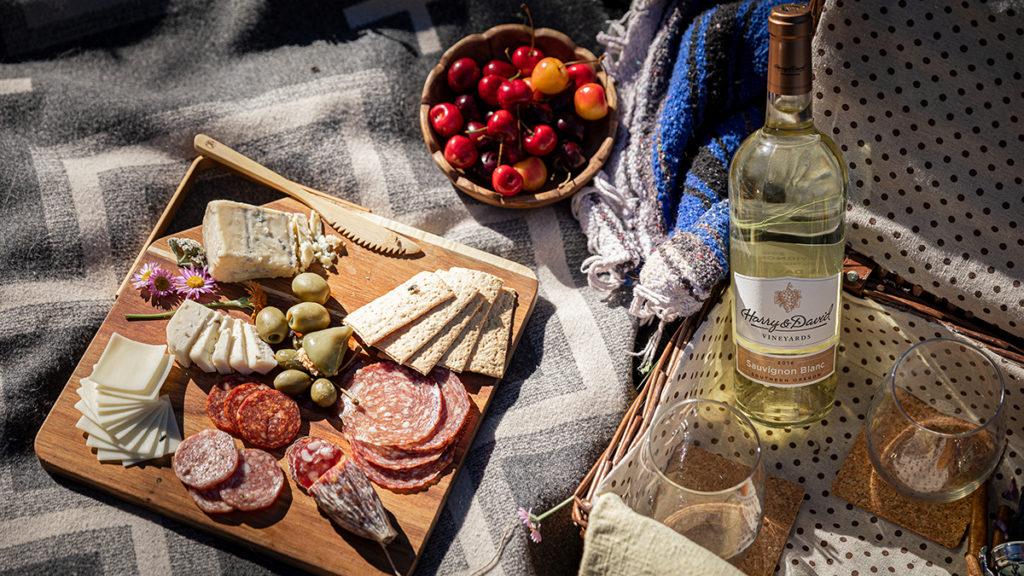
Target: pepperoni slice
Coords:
[(456, 412), (397, 407), (209, 500), (256, 482), (235, 398), (215, 402), (309, 457), (205, 459), (268, 419), (404, 481), (395, 458)]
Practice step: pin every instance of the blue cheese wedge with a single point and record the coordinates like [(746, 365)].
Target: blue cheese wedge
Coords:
[(184, 328), (244, 242), (239, 359)]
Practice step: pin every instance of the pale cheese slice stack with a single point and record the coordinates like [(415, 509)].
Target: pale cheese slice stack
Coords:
[(215, 342), (123, 414)]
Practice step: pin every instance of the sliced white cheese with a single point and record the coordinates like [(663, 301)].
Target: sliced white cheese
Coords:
[(243, 242), (145, 436), (238, 358), (202, 351), (222, 351), (184, 328), (126, 432), (259, 354), (129, 366), (111, 419)]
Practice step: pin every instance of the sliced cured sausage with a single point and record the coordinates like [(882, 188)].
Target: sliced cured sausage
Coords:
[(403, 481), (235, 398), (397, 407), (346, 497), (215, 402), (395, 458), (456, 412), (256, 482), (209, 500), (268, 419), (205, 459), (309, 457)]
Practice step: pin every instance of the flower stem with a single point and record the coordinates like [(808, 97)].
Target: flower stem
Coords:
[(541, 517), (242, 303)]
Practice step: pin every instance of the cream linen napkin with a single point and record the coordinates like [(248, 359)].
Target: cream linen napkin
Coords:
[(621, 542)]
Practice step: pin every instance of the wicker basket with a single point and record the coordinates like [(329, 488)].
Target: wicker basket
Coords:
[(862, 278)]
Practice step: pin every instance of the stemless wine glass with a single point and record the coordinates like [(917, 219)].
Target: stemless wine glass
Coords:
[(936, 431), (705, 475)]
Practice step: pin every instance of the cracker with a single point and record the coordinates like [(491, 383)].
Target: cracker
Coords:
[(403, 343), (489, 356), (399, 307), (427, 357), (458, 355)]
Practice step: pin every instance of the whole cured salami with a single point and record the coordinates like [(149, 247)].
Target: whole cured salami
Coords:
[(209, 500), (346, 496), (256, 482), (215, 402), (235, 398), (268, 419), (395, 458), (456, 413), (205, 459), (404, 481), (397, 407), (309, 457)]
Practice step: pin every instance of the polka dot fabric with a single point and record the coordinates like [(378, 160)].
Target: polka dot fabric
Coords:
[(832, 537), (926, 100)]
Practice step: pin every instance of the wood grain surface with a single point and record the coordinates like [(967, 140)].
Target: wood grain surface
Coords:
[(293, 530)]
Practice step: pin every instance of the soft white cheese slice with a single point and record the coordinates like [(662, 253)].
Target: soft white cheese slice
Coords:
[(125, 432), (110, 418), (172, 435), (129, 366), (222, 351), (201, 353), (238, 359), (259, 354), (146, 434), (184, 328)]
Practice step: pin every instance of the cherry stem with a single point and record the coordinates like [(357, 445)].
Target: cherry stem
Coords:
[(568, 178), (516, 75), (501, 148), (525, 127), (477, 130), (597, 61), (529, 18)]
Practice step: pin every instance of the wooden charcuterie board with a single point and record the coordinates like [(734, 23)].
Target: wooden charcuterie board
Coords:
[(292, 530)]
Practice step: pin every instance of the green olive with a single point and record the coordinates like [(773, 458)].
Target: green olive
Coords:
[(306, 317), (287, 359), (271, 325), (310, 287), (292, 382), (323, 393)]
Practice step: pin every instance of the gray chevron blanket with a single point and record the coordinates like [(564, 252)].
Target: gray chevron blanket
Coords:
[(99, 102)]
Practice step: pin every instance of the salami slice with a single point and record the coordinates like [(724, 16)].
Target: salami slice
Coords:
[(404, 481), (397, 407), (205, 459), (395, 458), (209, 500), (235, 398), (268, 419), (256, 483), (309, 457), (346, 497), (215, 402), (456, 412)]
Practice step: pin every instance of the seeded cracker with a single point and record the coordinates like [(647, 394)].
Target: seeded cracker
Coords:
[(492, 348), (457, 357), (402, 344), (399, 307)]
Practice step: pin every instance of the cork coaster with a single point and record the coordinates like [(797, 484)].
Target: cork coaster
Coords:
[(859, 484)]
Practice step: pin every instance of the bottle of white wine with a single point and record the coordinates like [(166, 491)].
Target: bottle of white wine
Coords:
[(787, 196)]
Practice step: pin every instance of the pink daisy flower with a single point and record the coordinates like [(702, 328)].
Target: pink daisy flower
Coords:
[(160, 283), (526, 517), (194, 282), (141, 278)]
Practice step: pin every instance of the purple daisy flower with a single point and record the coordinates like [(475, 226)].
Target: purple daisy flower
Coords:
[(160, 283), (194, 282), (526, 517), (140, 280)]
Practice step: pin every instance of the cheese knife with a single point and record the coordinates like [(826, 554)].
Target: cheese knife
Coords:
[(352, 225)]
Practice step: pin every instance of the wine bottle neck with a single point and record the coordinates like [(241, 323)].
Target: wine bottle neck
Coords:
[(788, 112), (790, 27)]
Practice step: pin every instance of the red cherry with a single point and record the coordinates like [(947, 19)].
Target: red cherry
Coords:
[(499, 68), (512, 93), (488, 162), (466, 103), (487, 88), (506, 180), (525, 58), (569, 126), (581, 73), (571, 155), (446, 119), (542, 142), (476, 131), (463, 74), (460, 152), (502, 126), (538, 96)]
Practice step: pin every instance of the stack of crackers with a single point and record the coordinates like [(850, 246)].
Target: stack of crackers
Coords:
[(458, 318)]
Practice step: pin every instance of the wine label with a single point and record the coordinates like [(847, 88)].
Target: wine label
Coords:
[(786, 313)]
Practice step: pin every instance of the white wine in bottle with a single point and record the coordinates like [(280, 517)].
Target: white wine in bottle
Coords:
[(787, 195)]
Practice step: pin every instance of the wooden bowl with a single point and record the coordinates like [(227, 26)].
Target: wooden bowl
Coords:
[(492, 44)]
